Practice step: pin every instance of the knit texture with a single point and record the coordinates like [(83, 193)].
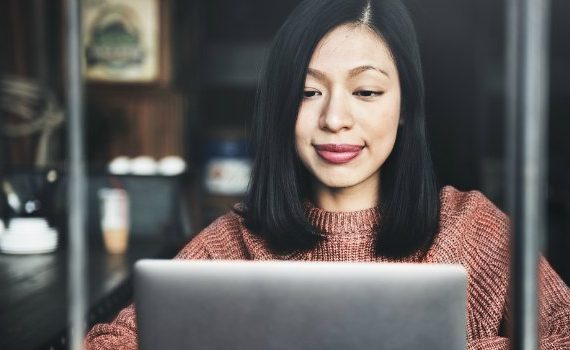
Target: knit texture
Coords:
[(473, 232)]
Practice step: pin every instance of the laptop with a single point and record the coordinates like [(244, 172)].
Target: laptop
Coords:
[(275, 305)]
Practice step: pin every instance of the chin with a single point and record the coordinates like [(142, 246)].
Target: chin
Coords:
[(345, 179), (339, 183)]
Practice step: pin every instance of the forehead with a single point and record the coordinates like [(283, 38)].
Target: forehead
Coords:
[(348, 46)]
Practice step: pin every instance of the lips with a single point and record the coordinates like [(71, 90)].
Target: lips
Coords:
[(338, 153)]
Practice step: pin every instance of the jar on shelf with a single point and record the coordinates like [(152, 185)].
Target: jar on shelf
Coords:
[(228, 166)]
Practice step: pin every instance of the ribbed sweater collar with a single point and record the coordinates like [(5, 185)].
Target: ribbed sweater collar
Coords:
[(362, 222)]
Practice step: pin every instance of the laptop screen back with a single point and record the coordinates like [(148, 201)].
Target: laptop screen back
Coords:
[(299, 305)]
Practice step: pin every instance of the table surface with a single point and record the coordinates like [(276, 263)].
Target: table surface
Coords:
[(34, 289)]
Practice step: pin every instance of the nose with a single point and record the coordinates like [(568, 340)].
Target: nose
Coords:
[(336, 114)]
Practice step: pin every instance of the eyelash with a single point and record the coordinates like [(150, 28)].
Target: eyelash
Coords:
[(368, 93), (307, 94), (312, 93)]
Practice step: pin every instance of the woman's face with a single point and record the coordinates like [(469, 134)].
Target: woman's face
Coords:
[(348, 119)]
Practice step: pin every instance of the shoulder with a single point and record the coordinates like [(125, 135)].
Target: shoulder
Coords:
[(222, 239), (470, 208), (473, 221), (476, 234)]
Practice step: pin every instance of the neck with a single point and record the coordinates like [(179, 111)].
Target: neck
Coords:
[(346, 199)]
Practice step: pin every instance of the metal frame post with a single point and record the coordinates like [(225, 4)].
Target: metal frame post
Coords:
[(526, 91), (77, 253)]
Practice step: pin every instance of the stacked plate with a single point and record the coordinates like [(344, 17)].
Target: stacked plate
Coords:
[(144, 165), (28, 236)]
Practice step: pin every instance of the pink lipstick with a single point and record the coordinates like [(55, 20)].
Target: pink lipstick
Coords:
[(338, 153)]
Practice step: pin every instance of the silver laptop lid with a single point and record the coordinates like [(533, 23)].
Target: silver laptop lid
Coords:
[(299, 305)]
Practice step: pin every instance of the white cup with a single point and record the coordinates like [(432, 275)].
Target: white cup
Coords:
[(115, 219)]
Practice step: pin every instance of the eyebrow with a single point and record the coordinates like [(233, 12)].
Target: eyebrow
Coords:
[(355, 71), (317, 74), (351, 73)]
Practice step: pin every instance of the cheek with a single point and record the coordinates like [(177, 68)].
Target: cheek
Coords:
[(393, 112), (385, 124), (303, 127), (299, 130), (301, 136), (304, 131)]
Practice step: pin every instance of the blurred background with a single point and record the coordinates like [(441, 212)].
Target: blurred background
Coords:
[(170, 87)]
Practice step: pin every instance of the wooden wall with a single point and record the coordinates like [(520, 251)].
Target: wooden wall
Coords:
[(135, 122), (121, 119), (29, 38)]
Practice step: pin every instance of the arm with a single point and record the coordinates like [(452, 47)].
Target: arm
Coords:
[(486, 255), (554, 311), (554, 315), (121, 333)]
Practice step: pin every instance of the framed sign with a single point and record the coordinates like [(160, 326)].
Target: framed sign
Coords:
[(122, 40)]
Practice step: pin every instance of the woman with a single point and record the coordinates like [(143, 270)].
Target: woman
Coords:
[(343, 172)]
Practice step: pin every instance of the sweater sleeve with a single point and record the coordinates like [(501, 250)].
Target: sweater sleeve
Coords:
[(488, 262), (121, 333), (554, 315)]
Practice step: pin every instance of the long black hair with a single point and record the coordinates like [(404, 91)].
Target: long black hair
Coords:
[(274, 207)]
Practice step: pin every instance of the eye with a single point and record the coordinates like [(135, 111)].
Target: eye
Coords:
[(367, 93), (307, 94)]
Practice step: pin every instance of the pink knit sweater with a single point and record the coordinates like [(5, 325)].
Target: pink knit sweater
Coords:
[(473, 232)]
